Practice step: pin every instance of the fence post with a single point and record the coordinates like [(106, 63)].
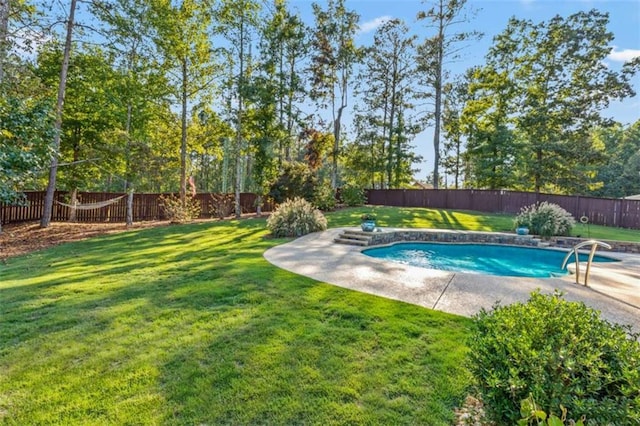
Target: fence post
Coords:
[(622, 206)]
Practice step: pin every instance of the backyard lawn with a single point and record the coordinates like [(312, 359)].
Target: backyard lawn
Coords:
[(398, 217), (188, 324)]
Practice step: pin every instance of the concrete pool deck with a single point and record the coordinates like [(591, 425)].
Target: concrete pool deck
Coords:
[(318, 257)]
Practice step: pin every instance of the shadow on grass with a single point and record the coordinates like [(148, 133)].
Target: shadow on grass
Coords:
[(346, 360), (191, 325)]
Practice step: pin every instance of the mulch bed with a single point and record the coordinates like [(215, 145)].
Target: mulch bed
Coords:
[(22, 238), (25, 237)]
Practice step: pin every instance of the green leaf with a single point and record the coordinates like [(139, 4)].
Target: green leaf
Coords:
[(555, 421)]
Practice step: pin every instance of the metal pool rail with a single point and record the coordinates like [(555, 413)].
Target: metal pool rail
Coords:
[(594, 245)]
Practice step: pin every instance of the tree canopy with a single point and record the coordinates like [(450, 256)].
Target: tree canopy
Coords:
[(242, 95)]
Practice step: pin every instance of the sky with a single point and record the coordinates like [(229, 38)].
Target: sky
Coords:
[(491, 18)]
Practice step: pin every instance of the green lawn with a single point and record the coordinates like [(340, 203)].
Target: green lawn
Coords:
[(459, 219), (190, 325)]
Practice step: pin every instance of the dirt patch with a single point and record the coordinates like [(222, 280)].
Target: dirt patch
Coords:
[(22, 238)]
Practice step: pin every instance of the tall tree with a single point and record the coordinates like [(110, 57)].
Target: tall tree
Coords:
[(237, 21), (4, 35), (365, 158), (284, 46), (434, 54), (26, 130), (561, 85), (91, 115), (492, 148), (266, 131), (26, 124), (209, 132), (274, 91), (453, 129), (141, 85), (45, 221), (333, 59), (385, 84), (17, 18), (182, 36), (620, 172)]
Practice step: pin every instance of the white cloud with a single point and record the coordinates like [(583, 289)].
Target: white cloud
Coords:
[(624, 55), (373, 25)]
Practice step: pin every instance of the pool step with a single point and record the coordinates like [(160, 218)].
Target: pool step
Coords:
[(354, 238)]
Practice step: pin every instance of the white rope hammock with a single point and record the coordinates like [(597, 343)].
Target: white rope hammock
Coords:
[(92, 206)]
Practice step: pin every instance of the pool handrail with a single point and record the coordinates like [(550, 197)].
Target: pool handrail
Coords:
[(594, 245)]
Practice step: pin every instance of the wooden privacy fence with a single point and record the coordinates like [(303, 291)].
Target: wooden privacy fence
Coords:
[(600, 211), (145, 207)]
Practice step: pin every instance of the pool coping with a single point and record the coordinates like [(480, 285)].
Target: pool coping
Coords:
[(317, 256)]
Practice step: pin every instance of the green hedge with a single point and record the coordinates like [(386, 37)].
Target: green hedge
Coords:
[(559, 353)]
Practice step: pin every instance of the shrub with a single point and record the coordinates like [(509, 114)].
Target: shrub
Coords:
[(324, 198), (545, 219), (352, 195), (560, 354), (221, 205), (295, 180), (295, 218), (532, 415), (176, 212)]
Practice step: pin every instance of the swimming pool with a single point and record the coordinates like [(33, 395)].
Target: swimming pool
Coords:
[(488, 259)]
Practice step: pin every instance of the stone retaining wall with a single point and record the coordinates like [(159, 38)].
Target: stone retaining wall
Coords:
[(618, 246), (440, 235)]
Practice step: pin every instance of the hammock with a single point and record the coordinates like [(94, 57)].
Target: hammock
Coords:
[(92, 206)]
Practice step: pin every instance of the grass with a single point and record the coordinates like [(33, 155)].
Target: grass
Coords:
[(461, 219), (190, 325), (423, 218)]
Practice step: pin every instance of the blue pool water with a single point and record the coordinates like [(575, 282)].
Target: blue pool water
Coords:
[(480, 258)]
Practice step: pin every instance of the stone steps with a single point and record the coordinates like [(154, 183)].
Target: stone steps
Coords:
[(354, 238)]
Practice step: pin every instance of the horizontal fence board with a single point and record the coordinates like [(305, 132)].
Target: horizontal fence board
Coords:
[(600, 211)]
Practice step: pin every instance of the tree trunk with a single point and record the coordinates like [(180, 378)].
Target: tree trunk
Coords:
[(537, 178), (73, 213), (238, 181), (130, 208), (259, 205), (4, 35), (45, 221), (337, 128), (238, 207), (127, 165), (438, 105), (183, 141), (225, 166), (457, 167), (336, 149)]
